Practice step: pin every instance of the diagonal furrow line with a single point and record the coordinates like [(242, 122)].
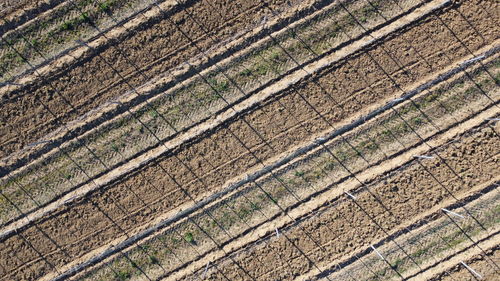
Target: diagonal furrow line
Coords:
[(267, 92), (261, 173)]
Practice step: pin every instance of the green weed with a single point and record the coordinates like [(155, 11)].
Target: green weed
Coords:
[(189, 237), (122, 275)]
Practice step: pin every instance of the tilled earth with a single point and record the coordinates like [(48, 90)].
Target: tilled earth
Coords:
[(479, 264), (156, 47), (366, 79), (348, 225)]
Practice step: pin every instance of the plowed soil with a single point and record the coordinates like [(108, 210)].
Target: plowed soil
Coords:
[(10, 6), (39, 108), (203, 166), (478, 264), (345, 226)]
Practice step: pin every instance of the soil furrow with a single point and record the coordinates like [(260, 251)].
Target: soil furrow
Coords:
[(242, 206), (345, 226), (478, 263), (434, 244), (15, 160), (64, 92), (57, 174), (157, 184), (24, 10)]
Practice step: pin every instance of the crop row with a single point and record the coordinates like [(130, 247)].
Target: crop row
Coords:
[(50, 33), (143, 197), (426, 245), (345, 225), (256, 203), (122, 139)]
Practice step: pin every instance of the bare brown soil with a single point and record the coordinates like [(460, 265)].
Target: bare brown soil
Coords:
[(10, 6), (39, 108), (91, 165), (345, 226), (90, 222), (479, 263), (205, 251)]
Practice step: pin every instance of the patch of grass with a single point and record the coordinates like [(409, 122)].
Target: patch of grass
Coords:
[(218, 85), (299, 173), (122, 275), (189, 237)]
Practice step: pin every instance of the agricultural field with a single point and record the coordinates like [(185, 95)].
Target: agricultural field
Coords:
[(249, 140)]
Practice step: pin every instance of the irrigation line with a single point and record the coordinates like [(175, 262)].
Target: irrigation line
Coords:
[(423, 222), (349, 171), (92, 38), (32, 46), (397, 85), (264, 171), (477, 58), (93, 203), (414, 226), (462, 43), (241, 142), (427, 117), (475, 243)]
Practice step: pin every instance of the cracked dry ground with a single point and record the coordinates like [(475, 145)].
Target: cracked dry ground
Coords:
[(273, 127)]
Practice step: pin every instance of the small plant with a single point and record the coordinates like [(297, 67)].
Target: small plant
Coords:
[(67, 25), (114, 146), (243, 212), (84, 17), (122, 275), (275, 55), (153, 113), (35, 43), (262, 69), (105, 6), (189, 237), (245, 72), (153, 260), (299, 173), (255, 206), (329, 166), (219, 86), (175, 240)]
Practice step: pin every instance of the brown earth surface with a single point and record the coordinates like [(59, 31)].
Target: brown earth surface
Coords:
[(204, 246), (37, 109), (345, 226), (219, 156), (478, 264), (9, 6), (92, 163)]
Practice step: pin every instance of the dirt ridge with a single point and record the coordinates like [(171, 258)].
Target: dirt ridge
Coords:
[(179, 74), (272, 90), (400, 159), (247, 252)]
